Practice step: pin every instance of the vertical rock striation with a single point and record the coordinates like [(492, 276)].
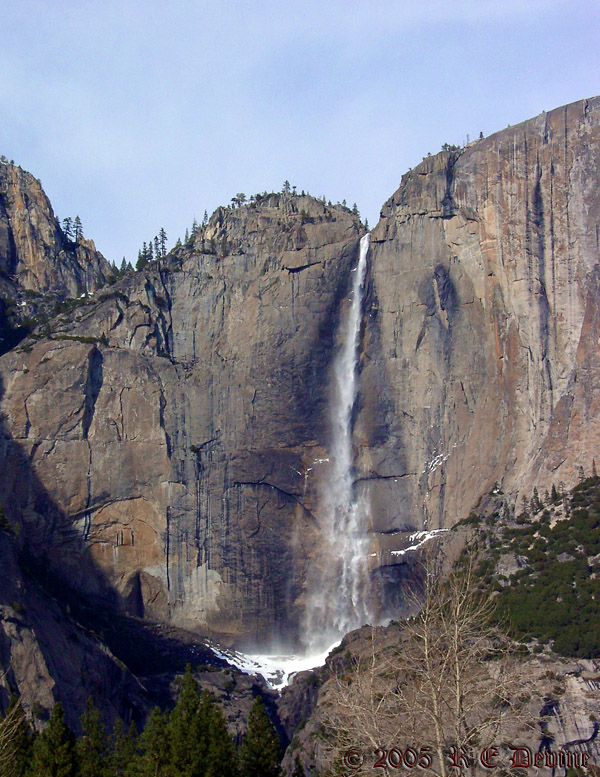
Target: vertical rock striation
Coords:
[(483, 327)]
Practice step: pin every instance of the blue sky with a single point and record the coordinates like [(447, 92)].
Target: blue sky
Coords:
[(142, 114)]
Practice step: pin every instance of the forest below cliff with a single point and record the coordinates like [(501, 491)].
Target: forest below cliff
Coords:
[(190, 739)]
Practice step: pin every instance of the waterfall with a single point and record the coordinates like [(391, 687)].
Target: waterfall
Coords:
[(338, 587)]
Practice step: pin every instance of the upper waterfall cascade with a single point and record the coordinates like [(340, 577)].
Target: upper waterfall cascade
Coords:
[(338, 597)]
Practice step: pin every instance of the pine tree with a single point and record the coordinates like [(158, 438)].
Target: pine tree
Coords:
[(184, 735), (150, 254), (221, 759), (16, 740), (162, 238), (186, 238), (261, 748), (156, 247), (194, 227), (91, 746), (54, 749), (205, 219), (123, 760), (142, 258), (67, 227), (286, 187), (155, 745), (123, 268), (77, 229), (202, 730)]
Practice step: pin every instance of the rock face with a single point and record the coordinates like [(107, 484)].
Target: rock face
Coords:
[(178, 472), (35, 256), (482, 330), (46, 657), (164, 444)]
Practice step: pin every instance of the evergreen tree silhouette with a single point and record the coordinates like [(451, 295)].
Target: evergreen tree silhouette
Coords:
[(187, 732), (162, 240), (261, 748), (156, 753), (91, 746), (221, 760), (54, 749), (124, 760)]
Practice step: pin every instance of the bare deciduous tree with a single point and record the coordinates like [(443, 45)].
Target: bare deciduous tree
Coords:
[(10, 731), (448, 690)]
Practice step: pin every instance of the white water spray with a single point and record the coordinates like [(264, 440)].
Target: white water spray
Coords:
[(338, 598)]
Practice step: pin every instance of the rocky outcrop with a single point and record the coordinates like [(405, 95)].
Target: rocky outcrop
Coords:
[(480, 349), (35, 256), (177, 474), (47, 657), (559, 696)]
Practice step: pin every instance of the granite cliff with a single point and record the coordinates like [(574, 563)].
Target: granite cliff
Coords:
[(172, 479), (39, 265), (178, 476), (481, 338)]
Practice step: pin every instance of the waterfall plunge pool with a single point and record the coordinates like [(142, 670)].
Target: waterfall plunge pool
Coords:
[(277, 670)]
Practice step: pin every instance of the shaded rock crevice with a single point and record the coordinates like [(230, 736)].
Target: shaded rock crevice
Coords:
[(93, 385)]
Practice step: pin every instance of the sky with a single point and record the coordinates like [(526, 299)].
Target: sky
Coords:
[(142, 114)]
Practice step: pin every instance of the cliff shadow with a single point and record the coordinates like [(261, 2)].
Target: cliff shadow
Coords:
[(70, 629)]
